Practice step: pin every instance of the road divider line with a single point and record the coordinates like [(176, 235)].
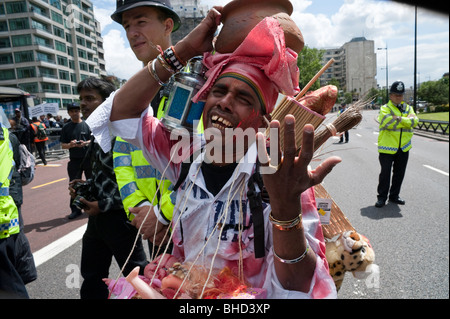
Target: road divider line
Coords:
[(436, 170), (42, 185), (51, 250)]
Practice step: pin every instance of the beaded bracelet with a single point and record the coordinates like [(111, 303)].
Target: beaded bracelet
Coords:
[(292, 261), (151, 69), (173, 60), (286, 225)]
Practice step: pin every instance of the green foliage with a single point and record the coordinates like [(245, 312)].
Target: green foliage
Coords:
[(435, 92), (309, 63)]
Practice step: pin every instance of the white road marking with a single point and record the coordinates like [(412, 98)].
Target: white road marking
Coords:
[(436, 170), (51, 250)]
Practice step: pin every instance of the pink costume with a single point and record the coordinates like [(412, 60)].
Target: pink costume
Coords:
[(197, 212)]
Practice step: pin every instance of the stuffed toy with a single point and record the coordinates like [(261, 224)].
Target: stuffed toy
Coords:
[(350, 252)]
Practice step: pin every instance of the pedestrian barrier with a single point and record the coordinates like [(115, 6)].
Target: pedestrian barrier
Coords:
[(434, 126)]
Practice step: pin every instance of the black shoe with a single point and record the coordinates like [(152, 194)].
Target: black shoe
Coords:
[(74, 215), (397, 200), (380, 203)]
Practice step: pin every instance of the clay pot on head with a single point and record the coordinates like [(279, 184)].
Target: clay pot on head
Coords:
[(239, 17)]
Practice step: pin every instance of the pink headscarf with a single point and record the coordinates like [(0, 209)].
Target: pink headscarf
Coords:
[(262, 60)]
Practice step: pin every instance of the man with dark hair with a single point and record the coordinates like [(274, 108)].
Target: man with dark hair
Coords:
[(75, 137), (108, 231), (278, 247)]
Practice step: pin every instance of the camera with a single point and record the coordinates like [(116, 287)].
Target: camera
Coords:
[(83, 190)]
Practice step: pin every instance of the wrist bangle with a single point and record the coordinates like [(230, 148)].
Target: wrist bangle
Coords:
[(292, 261), (286, 225), (165, 65), (151, 69)]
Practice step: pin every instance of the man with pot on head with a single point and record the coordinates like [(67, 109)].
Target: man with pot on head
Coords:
[(397, 121), (148, 24), (279, 248)]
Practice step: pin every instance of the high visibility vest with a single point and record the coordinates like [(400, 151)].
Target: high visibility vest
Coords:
[(9, 215), (35, 126), (395, 135), (139, 182)]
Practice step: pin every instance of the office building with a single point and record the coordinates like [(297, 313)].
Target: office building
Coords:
[(355, 66), (48, 46)]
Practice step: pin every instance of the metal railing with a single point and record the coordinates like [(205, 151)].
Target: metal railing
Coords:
[(437, 127)]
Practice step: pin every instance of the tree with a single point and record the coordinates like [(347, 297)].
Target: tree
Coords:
[(309, 63), (434, 92)]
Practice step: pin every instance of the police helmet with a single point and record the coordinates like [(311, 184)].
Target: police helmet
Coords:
[(398, 87), (124, 5)]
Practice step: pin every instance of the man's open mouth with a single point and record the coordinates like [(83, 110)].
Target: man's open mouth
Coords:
[(220, 123)]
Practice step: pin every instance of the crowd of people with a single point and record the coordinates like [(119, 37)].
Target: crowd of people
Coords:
[(122, 174)]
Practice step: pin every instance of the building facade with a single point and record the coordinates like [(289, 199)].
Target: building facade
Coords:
[(355, 67), (48, 46), (191, 13)]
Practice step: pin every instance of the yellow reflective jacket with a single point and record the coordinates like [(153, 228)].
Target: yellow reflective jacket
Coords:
[(396, 134), (9, 215), (138, 181)]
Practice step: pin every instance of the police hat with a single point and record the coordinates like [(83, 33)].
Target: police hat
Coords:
[(398, 87), (72, 106), (124, 5)]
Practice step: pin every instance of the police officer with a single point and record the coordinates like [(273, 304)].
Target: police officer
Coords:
[(397, 120), (147, 24), (11, 281)]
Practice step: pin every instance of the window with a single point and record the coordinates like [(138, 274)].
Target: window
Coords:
[(41, 56), (23, 56), (16, 7), (83, 66), (62, 60), (60, 46), (39, 26), (58, 32), (56, 4), (21, 40), (3, 26), (50, 88), (19, 24), (29, 72), (7, 75), (57, 17), (64, 75), (29, 87), (70, 51), (81, 41), (65, 89), (47, 72), (4, 43), (42, 41), (6, 58), (82, 54)]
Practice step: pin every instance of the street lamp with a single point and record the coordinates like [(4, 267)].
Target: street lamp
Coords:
[(387, 72)]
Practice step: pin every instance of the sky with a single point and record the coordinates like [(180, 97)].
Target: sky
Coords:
[(329, 24)]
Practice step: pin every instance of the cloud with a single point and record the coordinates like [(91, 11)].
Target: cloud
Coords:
[(326, 25), (120, 59)]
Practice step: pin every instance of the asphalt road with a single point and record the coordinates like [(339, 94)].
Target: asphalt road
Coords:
[(411, 242)]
